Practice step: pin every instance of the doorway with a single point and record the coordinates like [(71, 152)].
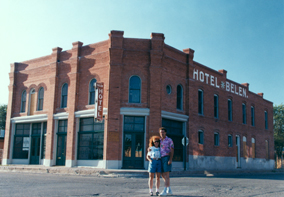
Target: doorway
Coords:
[(35, 143), (238, 151), (133, 142), (61, 142), (61, 150)]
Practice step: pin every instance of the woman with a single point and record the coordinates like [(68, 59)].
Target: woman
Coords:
[(155, 165)]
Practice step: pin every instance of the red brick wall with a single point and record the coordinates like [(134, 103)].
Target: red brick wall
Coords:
[(113, 62)]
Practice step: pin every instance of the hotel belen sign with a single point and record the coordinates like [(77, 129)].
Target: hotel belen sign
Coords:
[(213, 81)]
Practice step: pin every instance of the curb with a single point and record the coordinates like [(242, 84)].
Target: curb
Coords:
[(111, 173)]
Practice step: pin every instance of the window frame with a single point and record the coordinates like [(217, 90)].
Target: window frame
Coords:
[(63, 96), (230, 140), (216, 106), (23, 101), (230, 110), (40, 99), (244, 112), (216, 140), (93, 138), (201, 137), (265, 119), (137, 90), (92, 92), (200, 102), (179, 97), (252, 111)]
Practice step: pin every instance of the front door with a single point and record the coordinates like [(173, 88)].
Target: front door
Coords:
[(61, 150), (238, 152), (35, 150), (133, 144), (35, 144)]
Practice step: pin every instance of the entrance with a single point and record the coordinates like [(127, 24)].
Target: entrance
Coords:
[(35, 144), (61, 150), (133, 145), (238, 151), (61, 142)]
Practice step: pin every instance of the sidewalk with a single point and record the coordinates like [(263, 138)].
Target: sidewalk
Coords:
[(91, 171)]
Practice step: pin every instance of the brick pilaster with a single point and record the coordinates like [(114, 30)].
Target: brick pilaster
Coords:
[(113, 132), (8, 127), (72, 103), (51, 110), (155, 71)]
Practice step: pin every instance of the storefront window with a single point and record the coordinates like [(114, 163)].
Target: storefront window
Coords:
[(21, 141), (90, 139)]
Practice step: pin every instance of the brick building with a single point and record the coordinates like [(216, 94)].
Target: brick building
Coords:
[(147, 84)]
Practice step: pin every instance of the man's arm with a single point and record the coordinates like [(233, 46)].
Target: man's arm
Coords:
[(171, 156)]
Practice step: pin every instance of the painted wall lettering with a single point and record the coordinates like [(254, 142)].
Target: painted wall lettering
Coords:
[(213, 81)]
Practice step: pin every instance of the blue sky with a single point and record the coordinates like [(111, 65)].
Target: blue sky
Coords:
[(244, 37)]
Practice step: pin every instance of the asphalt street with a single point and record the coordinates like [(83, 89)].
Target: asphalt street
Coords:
[(28, 184)]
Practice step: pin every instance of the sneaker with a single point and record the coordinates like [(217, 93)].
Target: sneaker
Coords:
[(157, 193), (151, 193), (169, 192), (163, 193)]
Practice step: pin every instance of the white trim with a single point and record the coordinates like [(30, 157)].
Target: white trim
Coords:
[(60, 116), (30, 119), (135, 111), (174, 116), (88, 113)]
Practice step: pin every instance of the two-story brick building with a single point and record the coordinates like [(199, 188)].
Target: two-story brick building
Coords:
[(147, 84)]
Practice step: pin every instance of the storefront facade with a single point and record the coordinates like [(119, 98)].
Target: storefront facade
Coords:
[(147, 84)]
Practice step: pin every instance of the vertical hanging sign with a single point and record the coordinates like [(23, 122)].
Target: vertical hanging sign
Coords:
[(99, 87)]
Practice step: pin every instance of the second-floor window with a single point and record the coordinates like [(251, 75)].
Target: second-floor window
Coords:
[(252, 115), (64, 95), (265, 120), (179, 97), (134, 89), (23, 101), (230, 111), (92, 92), (200, 102), (40, 99), (244, 113), (216, 106)]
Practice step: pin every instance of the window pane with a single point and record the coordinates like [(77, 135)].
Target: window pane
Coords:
[(200, 101), (85, 139), (134, 89)]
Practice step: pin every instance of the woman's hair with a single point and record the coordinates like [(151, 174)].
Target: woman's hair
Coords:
[(153, 138)]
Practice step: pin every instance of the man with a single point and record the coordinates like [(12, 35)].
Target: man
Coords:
[(167, 153)]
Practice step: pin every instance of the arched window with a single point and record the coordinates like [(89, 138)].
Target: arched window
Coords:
[(252, 116), (216, 106), (32, 104), (179, 97), (230, 110), (200, 102), (92, 92), (244, 113), (134, 89), (265, 120), (23, 101), (40, 99), (64, 95)]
